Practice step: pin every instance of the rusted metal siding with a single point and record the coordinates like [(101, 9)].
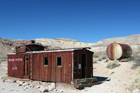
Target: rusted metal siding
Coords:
[(21, 49), (36, 67), (34, 47), (65, 73), (52, 72), (29, 47), (117, 51), (16, 65)]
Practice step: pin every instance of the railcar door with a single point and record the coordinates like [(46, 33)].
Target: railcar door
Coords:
[(77, 66), (26, 64), (84, 65)]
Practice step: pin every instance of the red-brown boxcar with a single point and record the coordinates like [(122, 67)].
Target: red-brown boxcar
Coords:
[(55, 65)]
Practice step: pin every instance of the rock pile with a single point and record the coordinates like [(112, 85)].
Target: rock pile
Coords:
[(41, 86)]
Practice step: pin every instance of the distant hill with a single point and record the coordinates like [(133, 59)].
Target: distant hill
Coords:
[(132, 39), (7, 45)]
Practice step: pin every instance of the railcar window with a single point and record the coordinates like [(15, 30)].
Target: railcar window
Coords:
[(59, 61), (45, 61)]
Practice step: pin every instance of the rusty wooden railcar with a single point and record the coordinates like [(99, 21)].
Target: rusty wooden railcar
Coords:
[(54, 65)]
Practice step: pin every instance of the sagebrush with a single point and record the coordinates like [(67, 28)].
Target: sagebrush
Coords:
[(112, 64), (135, 82), (136, 56)]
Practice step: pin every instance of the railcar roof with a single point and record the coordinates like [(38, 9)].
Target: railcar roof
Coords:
[(59, 50)]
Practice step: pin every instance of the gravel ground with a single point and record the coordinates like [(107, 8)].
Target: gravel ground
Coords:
[(6, 87), (114, 81), (13, 87)]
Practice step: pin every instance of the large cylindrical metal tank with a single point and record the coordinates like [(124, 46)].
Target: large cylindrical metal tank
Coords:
[(117, 51)]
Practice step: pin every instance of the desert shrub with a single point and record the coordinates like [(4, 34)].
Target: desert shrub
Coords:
[(136, 57), (112, 64), (99, 56), (135, 82), (95, 60), (102, 57), (3, 59), (95, 56)]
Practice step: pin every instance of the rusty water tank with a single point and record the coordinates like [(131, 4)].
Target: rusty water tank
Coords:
[(117, 51)]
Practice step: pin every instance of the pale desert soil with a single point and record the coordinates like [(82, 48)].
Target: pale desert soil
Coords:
[(118, 78), (114, 81)]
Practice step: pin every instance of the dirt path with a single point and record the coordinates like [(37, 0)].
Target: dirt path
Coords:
[(117, 79)]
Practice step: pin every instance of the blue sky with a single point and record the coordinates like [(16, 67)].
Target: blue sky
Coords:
[(82, 20)]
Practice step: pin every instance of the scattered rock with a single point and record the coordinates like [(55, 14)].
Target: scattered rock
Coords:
[(51, 87), (9, 81), (37, 87), (107, 60), (31, 86), (25, 84), (13, 80), (26, 87), (111, 73), (136, 91), (19, 84), (43, 89), (3, 80)]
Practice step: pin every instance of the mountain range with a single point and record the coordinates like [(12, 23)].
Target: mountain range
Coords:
[(8, 45)]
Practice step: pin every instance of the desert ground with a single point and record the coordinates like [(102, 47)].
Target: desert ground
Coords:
[(113, 81)]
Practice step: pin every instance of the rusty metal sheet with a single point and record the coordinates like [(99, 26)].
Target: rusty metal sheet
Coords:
[(15, 65), (36, 66), (35, 69), (69, 68)]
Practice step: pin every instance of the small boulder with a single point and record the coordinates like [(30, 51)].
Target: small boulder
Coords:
[(43, 89), (25, 84), (3, 80), (26, 87), (51, 87), (32, 86), (9, 81), (13, 80), (19, 84)]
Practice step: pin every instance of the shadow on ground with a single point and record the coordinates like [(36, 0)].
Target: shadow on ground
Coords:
[(102, 79)]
